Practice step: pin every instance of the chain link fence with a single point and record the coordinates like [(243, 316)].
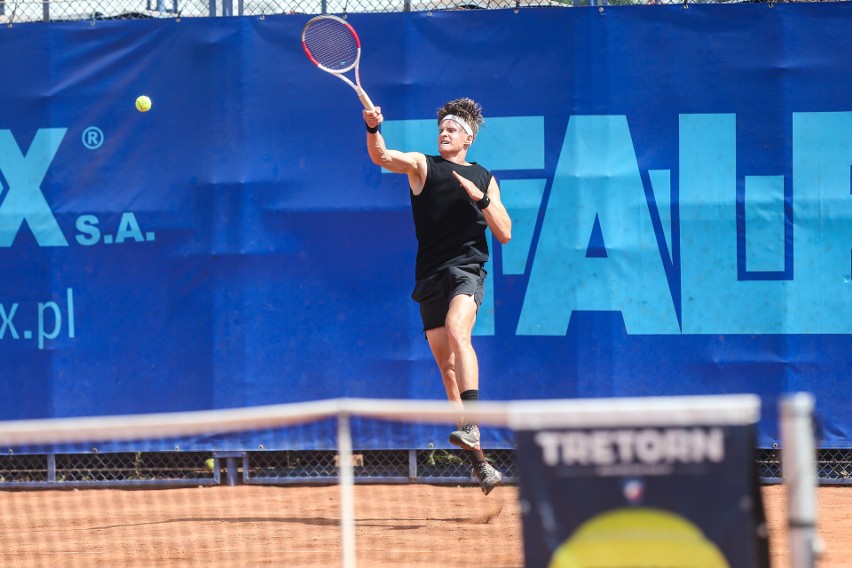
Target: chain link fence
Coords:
[(434, 466), (12, 11), (175, 469)]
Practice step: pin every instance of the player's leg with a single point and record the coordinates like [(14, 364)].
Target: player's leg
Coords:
[(467, 435), (455, 307), (459, 328), (448, 319), (445, 359)]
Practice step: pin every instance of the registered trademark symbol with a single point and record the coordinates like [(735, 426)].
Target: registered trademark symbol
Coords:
[(93, 138)]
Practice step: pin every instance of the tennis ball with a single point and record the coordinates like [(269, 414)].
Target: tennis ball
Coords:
[(638, 538), (143, 104), (210, 462)]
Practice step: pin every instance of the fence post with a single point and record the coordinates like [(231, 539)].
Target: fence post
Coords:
[(412, 465), (51, 468)]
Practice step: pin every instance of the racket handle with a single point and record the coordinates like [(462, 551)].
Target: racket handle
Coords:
[(365, 100)]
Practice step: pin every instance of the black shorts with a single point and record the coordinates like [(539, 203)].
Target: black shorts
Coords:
[(435, 292)]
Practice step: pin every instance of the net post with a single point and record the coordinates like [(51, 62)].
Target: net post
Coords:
[(347, 489), (800, 477)]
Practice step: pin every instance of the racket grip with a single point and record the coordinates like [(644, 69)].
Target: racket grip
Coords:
[(365, 100)]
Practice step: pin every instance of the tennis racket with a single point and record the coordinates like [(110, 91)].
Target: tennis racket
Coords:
[(333, 46)]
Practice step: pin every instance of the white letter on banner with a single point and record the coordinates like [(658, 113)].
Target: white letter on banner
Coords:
[(819, 299), (678, 442), (650, 446), (575, 448), (601, 447), (708, 445), (624, 441), (597, 176), (714, 301), (822, 186), (549, 444), (24, 200), (57, 322)]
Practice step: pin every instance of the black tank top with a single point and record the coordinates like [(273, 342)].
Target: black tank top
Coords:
[(450, 227)]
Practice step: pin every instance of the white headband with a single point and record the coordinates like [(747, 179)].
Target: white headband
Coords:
[(461, 122)]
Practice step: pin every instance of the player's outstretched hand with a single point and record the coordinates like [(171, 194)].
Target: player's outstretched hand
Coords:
[(473, 192), (373, 117)]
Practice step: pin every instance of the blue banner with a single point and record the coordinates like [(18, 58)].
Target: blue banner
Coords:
[(679, 182)]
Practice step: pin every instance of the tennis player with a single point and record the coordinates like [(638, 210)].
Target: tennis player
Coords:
[(453, 201)]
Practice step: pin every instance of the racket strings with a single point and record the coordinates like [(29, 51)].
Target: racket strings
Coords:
[(331, 44)]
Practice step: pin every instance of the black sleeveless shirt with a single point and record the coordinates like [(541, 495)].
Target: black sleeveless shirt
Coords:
[(450, 227)]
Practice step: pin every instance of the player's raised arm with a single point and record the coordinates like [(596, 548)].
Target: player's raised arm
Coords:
[(413, 164)]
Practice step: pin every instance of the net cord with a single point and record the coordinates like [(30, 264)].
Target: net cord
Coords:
[(532, 414)]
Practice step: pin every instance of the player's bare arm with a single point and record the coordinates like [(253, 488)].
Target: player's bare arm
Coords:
[(496, 216), (412, 164)]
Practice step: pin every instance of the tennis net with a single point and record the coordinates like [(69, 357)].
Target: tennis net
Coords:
[(323, 483)]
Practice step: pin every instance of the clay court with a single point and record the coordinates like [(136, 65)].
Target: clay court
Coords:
[(397, 525)]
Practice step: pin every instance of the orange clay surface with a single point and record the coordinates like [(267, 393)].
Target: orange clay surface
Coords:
[(292, 526)]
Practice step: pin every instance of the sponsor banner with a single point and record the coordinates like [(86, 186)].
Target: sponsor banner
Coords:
[(679, 182), (639, 496)]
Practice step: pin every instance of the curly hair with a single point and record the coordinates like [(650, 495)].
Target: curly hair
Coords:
[(467, 109)]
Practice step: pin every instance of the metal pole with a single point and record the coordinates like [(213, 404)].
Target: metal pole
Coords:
[(798, 464), (51, 468), (347, 490)]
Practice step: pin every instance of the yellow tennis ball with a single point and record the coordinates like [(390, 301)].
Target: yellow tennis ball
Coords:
[(210, 462), (143, 104), (638, 538)]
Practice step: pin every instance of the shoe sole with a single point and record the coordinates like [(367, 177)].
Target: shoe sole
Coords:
[(463, 444)]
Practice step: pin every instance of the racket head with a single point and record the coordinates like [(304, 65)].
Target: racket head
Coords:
[(331, 43)]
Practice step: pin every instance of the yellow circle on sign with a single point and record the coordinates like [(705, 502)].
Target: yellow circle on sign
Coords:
[(638, 538)]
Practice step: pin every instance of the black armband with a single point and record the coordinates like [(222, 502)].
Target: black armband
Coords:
[(372, 130), (484, 202)]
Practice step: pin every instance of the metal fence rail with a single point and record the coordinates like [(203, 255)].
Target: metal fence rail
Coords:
[(172, 469), (12, 11)]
